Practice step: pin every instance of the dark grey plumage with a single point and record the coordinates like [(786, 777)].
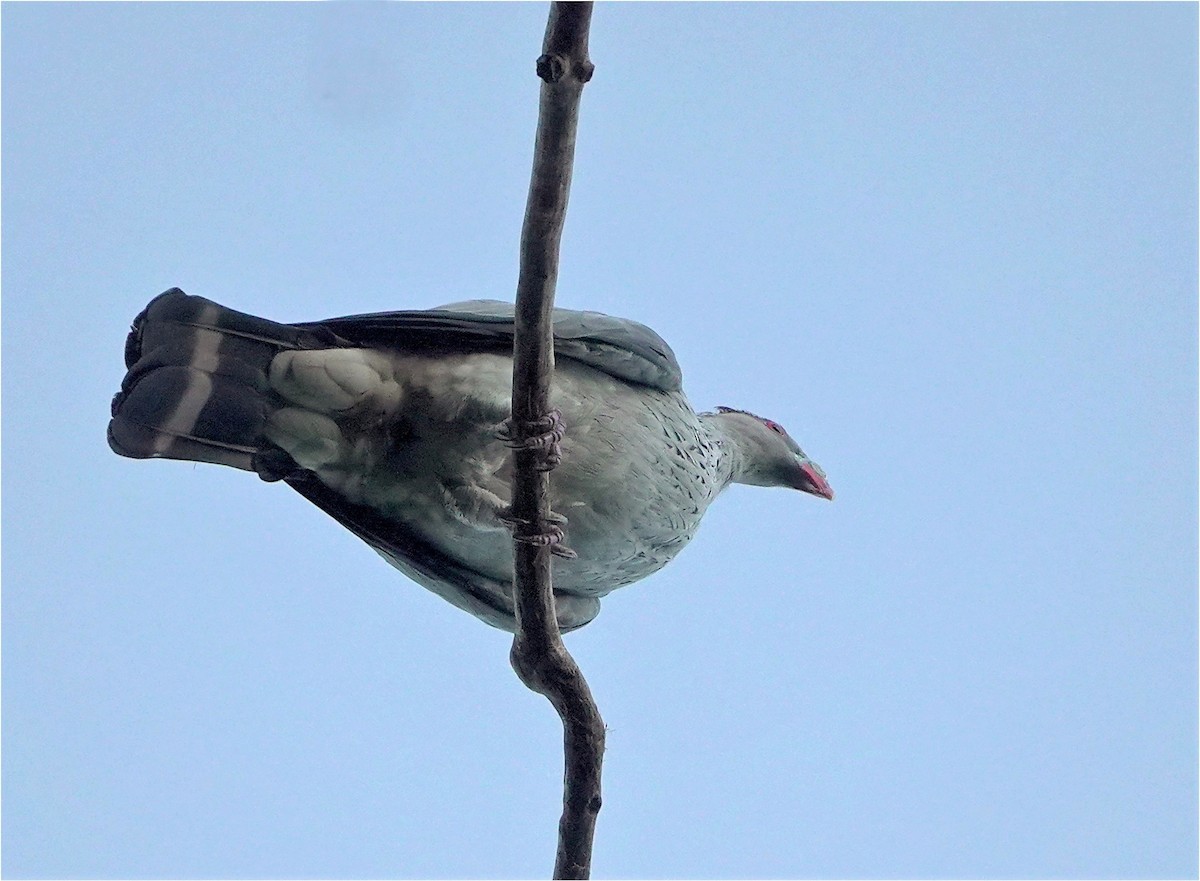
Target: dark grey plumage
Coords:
[(391, 423)]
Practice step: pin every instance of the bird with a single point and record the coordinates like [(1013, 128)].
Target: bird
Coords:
[(398, 425)]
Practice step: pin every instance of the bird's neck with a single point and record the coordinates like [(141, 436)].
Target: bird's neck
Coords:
[(729, 449)]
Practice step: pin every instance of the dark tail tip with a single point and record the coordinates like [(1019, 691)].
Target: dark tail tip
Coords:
[(196, 383), (133, 342)]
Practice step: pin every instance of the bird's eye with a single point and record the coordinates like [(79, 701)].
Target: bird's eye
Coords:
[(774, 426)]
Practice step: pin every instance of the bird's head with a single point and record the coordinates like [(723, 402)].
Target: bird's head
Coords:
[(769, 456)]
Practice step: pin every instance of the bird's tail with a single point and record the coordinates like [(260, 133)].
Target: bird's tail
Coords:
[(197, 384)]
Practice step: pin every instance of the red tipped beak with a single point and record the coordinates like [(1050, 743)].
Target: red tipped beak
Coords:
[(813, 481)]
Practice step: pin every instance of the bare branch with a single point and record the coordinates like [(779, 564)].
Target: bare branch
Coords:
[(538, 654)]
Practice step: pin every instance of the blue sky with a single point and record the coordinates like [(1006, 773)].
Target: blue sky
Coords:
[(952, 248)]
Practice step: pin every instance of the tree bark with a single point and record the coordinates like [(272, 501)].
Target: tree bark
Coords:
[(538, 654)]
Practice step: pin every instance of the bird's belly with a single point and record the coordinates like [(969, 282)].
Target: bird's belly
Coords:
[(635, 478), (620, 535)]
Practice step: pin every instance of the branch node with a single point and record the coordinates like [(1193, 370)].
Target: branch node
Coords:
[(551, 68)]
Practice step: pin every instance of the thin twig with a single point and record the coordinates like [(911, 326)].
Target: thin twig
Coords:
[(538, 654)]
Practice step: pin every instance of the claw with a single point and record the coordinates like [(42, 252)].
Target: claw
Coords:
[(506, 516), (542, 435), (552, 536)]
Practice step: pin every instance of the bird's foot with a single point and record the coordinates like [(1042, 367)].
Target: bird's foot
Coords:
[(272, 464), (542, 435), (551, 536)]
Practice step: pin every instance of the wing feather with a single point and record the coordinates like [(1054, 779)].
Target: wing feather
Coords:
[(619, 347)]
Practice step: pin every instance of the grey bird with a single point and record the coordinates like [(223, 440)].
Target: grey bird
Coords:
[(396, 425)]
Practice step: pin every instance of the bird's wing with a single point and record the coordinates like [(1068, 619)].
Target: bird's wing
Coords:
[(619, 347), (484, 597)]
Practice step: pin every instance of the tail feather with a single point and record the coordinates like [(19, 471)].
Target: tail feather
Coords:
[(197, 387)]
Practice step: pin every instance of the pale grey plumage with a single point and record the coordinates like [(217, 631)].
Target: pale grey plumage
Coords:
[(390, 422)]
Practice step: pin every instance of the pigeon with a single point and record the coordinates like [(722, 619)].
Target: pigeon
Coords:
[(396, 424)]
